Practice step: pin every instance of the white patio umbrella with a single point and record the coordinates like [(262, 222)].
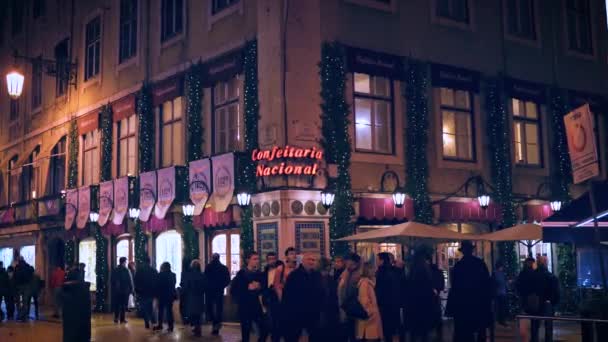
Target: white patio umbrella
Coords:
[(405, 231), (526, 231)]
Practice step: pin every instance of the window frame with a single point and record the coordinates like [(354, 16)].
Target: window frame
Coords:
[(568, 42), (55, 159), (161, 126), (216, 107), (450, 21), (471, 112), (535, 25), (30, 179), (228, 234), (13, 177), (97, 46), (539, 134), (130, 246), (214, 6), (61, 84), (133, 23), (14, 110), (127, 137), (37, 80), (38, 9), (373, 97), (96, 153), (166, 37)]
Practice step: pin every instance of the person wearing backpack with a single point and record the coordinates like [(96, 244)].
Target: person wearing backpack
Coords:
[(121, 288)]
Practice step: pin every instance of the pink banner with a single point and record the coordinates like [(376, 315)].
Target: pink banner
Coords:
[(121, 199), (223, 181), (106, 199), (166, 191), (71, 206), (84, 207), (147, 194), (200, 174)]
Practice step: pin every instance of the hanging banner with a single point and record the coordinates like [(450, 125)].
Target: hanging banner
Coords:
[(223, 181), (166, 191), (84, 207), (581, 144), (147, 194), (200, 174), (71, 206), (121, 199), (106, 199)]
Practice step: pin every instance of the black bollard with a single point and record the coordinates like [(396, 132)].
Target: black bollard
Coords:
[(76, 311)]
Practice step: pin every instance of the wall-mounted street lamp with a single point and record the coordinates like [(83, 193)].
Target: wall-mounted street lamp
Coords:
[(94, 216), (243, 198), (134, 213), (556, 205), (399, 197), (188, 206), (62, 70), (548, 188), (14, 83), (327, 197)]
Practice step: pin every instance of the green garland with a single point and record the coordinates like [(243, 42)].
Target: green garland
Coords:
[(417, 139), (105, 125), (69, 253), (500, 156), (190, 238), (566, 265), (194, 108), (141, 240), (247, 180), (336, 142), (73, 156), (101, 270), (145, 115)]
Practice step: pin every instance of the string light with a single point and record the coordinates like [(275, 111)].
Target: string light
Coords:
[(101, 269), (105, 125), (73, 156), (194, 108), (69, 254)]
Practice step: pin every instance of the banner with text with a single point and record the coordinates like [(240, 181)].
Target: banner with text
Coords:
[(223, 181), (581, 144), (106, 199), (200, 174), (84, 206), (71, 206), (121, 199), (166, 191), (147, 194)]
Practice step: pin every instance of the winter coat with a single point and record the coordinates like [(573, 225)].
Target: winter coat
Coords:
[(388, 293), (4, 282), (330, 312), (370, 328), (146, 279), (530, 283), (248, 301), (347, 287), (303, 298), (121, 281), (218, 278), (23, 274), (194, 293), (165, 291), (423, 306)]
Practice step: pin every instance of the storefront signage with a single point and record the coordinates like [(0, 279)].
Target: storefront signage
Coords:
[(123, 108), (147, 194), (223, 181), (167, 90), (106, 198), (374, 63), (452, 77), (166, 191), (289, 161), (581, 144), (525, 90), (200, 174), (223, 67), (121, 199), (71, 204), (84, 206), (88, 122)]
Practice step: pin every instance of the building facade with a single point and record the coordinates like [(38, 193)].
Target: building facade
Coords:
[(163, 89)]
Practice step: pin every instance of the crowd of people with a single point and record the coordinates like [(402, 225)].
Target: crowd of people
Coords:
[(19, 287)]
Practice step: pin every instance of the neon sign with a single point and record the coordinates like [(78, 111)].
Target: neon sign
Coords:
[(298, 161)]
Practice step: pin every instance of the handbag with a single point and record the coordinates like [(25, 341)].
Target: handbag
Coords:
[(353, 308)]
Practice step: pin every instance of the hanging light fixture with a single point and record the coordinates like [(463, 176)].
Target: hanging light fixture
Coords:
[(243, 198), (556, 205), (94, 216), (399, 197), (327, 197), (482, 196), (14, 83), (134, 213), (188, 209)]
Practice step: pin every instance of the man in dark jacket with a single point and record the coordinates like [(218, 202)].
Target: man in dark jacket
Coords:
[(145, 289), (339, 267), (194, 291), (218, 278), (302, 300), (166, 295), (246, 289), (269, 295), (23, 279), (550, 297), (11, 294), (470, 298), (121, 288), (387, 293)]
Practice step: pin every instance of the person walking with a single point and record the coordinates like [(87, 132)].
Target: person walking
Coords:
[(35, 287), (470, 297), (530, 289), (499, 280), (121, 289), (284, 270), (339, 267), (57, 280), (131, 303), (422, 300), (369, 329), (399, 267), (302, 300), (23, 279), (82, 271), (218, 277), (550, 297), (194, 290), (330, 312), (11, 294), (146, 279), (4, 284), (246, 289), (387, 291), (166, 294), (347, 292), (270, 298), (180, 291)]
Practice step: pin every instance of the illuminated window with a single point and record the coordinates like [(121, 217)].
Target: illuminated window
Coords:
[(6, 256), (29, 254), (124, 248), (520, 18), (373, 113), (169, 249), (457, 124), (578, 21), (87, 254), (90, 160), (127, 146), (172, 132), (227, 245), (227, 115), (526, 132)]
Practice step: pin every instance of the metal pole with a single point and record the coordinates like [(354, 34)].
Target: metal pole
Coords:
[(596, 229)]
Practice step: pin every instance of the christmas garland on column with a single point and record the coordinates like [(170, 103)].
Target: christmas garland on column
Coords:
[(69, 253), (140, 245), (101, 269), (73, 155), (145, 115), (105, 125), (500, 163), (194, 109), (190, 238), (336, 142), (247, 180), (415, 92)]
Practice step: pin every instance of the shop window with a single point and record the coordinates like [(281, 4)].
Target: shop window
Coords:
[(90, 158), (169, 249), (227, 245), (6, 256), (457, 124), (310, 238), (526, 132), (124, 248), (373, 113), (267, 239), (29, 254), (588, 267), (87, 254), (538, 249), (127, 146), (172, 132), (57, 168), (227, 116)]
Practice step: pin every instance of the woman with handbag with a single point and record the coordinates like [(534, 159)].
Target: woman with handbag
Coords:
[(369, 329)]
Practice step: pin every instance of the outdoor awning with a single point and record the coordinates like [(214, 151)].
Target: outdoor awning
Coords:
[(519, 232), (578, 211), (583, 236), (404, 231)]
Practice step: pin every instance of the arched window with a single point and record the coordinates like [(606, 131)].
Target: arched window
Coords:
[(29, 254), (227, 245), (56, 181), (13, 180), (124, 248), (169, 248), (87, 254), (6, 256), (29, 176)]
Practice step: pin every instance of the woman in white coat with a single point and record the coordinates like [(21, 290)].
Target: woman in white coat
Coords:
[(369, 329)]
